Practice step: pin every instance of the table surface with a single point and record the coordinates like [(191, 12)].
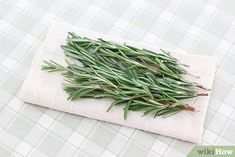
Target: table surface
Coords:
[(199, 27)]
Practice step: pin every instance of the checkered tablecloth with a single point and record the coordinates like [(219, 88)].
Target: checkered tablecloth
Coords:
[(200, 27)]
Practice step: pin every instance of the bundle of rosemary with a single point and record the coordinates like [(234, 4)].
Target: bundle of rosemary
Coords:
[(138, 79)]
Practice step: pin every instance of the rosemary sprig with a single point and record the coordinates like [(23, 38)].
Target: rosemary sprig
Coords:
[(139, 79)]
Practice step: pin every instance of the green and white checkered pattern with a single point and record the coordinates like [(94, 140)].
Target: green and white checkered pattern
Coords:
[(200, 27)]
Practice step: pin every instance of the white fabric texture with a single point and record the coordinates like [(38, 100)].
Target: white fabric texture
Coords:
[(45, 89)]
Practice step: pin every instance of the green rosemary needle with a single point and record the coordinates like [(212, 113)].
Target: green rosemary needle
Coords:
[(138, 79)]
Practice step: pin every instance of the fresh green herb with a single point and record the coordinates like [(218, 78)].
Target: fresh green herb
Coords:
[(138, 79)]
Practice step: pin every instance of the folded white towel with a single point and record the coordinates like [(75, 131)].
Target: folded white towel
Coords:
[(45, 89)]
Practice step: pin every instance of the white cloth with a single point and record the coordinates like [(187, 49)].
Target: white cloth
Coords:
[(45, 89)]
